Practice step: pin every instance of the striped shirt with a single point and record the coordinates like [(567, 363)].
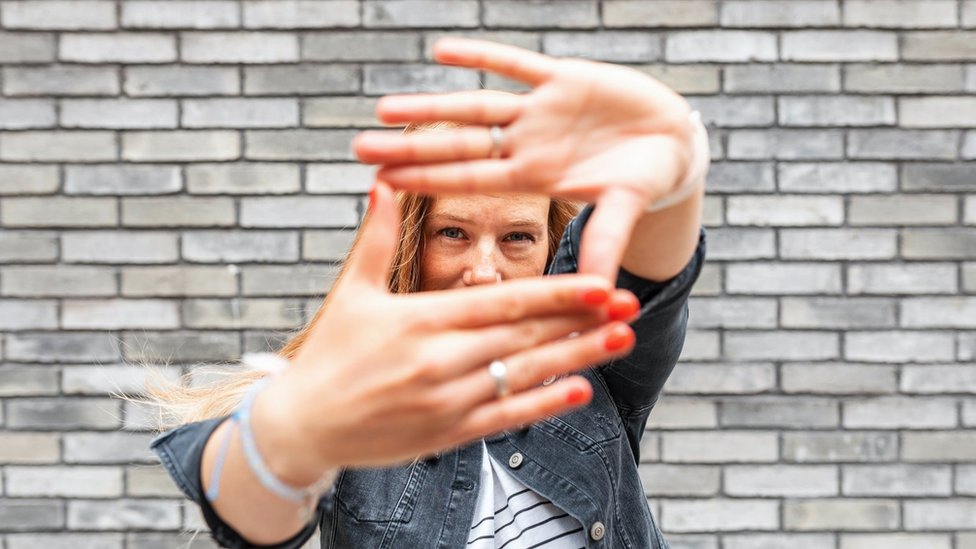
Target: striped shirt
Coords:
[(511, 515)]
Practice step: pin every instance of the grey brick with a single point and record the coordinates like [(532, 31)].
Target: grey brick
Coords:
[(897, 210), (117, 48), (683, 413), (838, 244), (937, 112), (179, 14), (836, 111), (421, 13), (271, 341), (360, 46), (116, 314), (119, 247), (892, 78), (969, 276), (895, 541), (111, 380), (166, 347), (812, 447), (239, 113), (108, 448), (565, 14), (967, 346), (300, 14), (841, 514), (297, 280), (17, 515), (719, 447), (118, 113), (178, 212), (62, 347), (663, 13), (619, 47), (59, 281), (24, 114), (903, 144), (784, 210), (250, 178), (911, 278), (838, 378), (300, 212), (339, 178), (971, 76), (837, 313), (741, 177), (713, 211), (829, 45), (240, 246), (780, 480), (945, 243), (326, 245), (948, 514), (772, 412), (900, 412), (720, 46), (969, 19), (181, 146), (969, 145), (786, 144), (176, 540), (181, 80), (764, 13), (91, 482), (72, 540), (299, 145), (719, 514), (938, 312), (239, 47), (58, 146), (899, 346), (28, 179), (178, 281), (733, 313), (938, 379), (408, 78), (721, 379), (900, 13), (969, 214), (141, 514), (63, 413), (792, 345), (939, 46), (938, 447), (152, 481), (680, 480), (966, 479), (22, 314), (59, 212), (709, 282), (686, 79), (284, 314), (287, 80), (792, 278), (59, 15), (29, 448), (837, 177), (26, 47), (32, 380), (735, 111), (771, 541), (110, 179), (938, 176), (783, 78)]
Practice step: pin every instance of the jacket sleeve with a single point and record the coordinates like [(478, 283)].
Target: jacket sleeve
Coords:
[(636, 381), (180, 451)]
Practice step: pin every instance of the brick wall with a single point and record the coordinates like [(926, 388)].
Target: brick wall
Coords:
[(176, 186)]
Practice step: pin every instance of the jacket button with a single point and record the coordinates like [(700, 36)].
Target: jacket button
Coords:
[(515, 461), (597, 531)]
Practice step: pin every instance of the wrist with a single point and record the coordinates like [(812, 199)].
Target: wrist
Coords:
[(695, 172)]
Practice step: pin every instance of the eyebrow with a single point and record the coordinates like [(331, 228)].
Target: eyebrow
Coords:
[(459, 219)]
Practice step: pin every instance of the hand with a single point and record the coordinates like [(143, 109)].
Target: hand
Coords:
[(384, 378), (601, 133)]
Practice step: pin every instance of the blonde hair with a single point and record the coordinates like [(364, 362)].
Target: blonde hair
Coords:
[(180, 403)]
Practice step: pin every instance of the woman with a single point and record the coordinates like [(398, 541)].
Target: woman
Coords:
[(588, 131)]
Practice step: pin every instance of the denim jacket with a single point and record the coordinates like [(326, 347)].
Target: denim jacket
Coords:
[(585, 461)]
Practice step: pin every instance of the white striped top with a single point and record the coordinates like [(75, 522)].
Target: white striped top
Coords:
[(509, 514)]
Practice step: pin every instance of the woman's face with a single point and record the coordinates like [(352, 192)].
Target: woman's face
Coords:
[(483, 239)]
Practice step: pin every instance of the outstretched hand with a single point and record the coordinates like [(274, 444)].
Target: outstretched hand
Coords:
[(596, 132)]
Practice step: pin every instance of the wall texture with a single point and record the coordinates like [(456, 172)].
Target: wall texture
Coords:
[(176, 185)]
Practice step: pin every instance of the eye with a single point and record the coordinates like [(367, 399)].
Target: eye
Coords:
[(520, 237), (451, 232)]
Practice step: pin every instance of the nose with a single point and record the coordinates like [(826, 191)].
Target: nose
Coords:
[(484, 268)]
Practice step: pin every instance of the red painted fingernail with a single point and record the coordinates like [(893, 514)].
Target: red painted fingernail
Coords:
[(596, 296), (624, 309), (576, 396), (372, 198), (619, 338)]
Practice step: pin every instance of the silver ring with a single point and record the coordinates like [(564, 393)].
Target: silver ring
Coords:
[(498, 371), (496, 134)]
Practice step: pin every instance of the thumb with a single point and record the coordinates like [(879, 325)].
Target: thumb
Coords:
[(371, 260), (607, 233)]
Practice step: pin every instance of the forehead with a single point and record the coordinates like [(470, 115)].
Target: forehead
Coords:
[(492, 206)]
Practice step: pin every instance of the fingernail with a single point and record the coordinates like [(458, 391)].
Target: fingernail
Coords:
[(372, 198), (576, 396), (623, 310), (620, 337), (595, 296)]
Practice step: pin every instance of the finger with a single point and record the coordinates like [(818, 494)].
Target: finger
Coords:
[(607, 233), (511, 301), (521, 409), (379, 147), (473, 176), (372, 258), (509, 61), (479, 107)]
